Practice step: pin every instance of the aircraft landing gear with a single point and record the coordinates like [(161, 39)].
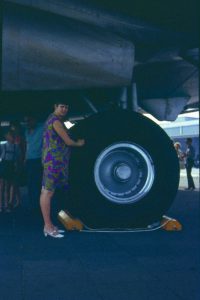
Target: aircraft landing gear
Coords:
[(127, 173)]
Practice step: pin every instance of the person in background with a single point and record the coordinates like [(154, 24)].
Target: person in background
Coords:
[(9, 154), (16, 128), (189, 163), (33, 137), (55, 156), (180, 154)]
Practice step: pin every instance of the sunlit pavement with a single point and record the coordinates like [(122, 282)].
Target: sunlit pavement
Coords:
[(183, 178), (101, 266)]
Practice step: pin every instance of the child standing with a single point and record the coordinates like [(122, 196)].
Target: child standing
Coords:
[(10, 156)]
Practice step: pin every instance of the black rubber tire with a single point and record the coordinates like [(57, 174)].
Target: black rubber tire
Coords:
[(100, 131)]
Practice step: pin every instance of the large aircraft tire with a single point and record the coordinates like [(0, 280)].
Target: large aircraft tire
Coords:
[(127, 173)]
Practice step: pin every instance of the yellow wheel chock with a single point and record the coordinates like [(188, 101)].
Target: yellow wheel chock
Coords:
[(170, 224), (69, 222)]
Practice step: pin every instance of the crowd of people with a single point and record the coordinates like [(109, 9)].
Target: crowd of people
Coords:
[(42, 153), (20, 156)]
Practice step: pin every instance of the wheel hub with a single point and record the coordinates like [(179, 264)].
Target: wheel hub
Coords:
[(124, 173)]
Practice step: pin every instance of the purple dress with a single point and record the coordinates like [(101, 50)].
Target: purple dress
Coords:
[(55, 157)]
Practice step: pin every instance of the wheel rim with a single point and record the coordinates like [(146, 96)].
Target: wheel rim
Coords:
[(124, 172)]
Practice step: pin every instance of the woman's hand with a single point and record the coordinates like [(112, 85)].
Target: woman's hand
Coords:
[(80, 142)]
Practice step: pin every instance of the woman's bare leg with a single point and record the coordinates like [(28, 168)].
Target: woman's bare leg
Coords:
[(45, 204)]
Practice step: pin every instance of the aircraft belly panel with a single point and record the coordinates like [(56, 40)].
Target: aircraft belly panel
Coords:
[(42, 51)]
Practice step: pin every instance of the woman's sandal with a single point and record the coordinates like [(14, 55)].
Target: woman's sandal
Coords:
[(54, 234), (59, 230)]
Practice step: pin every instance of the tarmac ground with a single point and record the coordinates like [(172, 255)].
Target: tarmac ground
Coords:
[(183, 178), (102, 266)]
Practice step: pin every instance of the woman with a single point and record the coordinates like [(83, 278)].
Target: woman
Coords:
[(55, 158), (180, 154)]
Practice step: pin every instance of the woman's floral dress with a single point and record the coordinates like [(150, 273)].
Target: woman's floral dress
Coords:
[(55, 157)]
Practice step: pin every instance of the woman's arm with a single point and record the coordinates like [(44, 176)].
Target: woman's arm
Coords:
[(59, 128)]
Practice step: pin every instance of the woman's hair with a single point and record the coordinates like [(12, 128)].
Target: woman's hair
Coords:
[(61, 103), (177, 144)]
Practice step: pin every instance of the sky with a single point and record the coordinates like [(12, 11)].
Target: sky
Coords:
[(194, 114)]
